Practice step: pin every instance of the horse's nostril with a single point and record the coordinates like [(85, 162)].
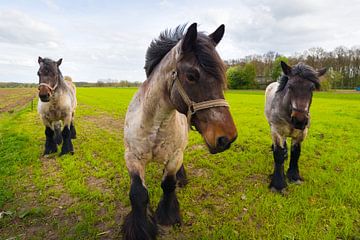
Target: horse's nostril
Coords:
[(223, 142)]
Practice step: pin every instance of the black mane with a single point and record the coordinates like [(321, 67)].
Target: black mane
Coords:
[(303, 71), (204, 51)]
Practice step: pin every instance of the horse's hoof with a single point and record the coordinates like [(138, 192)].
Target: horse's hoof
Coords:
[(278, 186), (168, 211), (139, 228), (48, 152), (294, 177), (63, 153), (276, 190)]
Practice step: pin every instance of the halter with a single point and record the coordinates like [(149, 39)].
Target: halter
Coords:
[(193, 107), (48, 85)]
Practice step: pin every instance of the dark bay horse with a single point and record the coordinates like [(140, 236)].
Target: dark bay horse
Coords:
[(56, 106), (184, 88), (287, 109)]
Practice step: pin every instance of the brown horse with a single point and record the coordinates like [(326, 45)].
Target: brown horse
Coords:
[(56, 106), (287, 110), (184, 88)]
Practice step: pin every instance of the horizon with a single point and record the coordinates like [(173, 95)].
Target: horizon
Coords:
[(108, 40)]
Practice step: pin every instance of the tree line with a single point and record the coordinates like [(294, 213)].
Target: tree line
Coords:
[(99, 83), (256, 71)]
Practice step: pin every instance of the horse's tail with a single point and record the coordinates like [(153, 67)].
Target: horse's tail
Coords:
[(58, 136), (72, 86)]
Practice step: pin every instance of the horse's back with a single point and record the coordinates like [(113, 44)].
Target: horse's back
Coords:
[(269, 97)]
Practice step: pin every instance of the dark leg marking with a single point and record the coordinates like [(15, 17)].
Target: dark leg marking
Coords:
[(181, 177), (168, 210), (67, 146), (72, 131), (50, 145), (58, 137), (139, 223), (278, 182), (293, 171)]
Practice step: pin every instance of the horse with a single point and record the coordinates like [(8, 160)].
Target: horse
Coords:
[(183, 89), (287, 110), (56, 106)]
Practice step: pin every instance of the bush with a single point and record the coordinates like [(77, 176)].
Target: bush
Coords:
[(241, 77)]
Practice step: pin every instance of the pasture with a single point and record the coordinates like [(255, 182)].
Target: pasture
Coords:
[(85, 196)]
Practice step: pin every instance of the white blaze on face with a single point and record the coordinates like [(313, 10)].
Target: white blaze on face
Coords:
[(303, 106)]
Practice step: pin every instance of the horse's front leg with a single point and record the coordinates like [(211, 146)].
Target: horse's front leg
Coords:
[(67, 146), (168, 210), (139, 223), (293, 171), (181, 177), (50, 144), (278, 182)]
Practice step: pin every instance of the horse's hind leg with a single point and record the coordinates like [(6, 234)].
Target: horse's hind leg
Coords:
[(139, 223), (168, 210), (50, 144), (293, 171), (181, 177), (72, 130)]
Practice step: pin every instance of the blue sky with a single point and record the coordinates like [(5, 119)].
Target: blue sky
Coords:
[(108, 39)]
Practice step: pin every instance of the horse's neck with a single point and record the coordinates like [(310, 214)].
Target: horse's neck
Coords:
[(157, 105), (283, 103)]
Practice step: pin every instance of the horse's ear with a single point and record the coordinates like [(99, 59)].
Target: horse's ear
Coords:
[(321, 72), (40, 60), (286, 68), (218, 34), (59, 62), (190, 38)]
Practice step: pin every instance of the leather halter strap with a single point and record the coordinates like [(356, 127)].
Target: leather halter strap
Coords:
[(193, 107)]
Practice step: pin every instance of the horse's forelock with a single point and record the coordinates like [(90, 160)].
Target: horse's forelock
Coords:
[(307, 72)]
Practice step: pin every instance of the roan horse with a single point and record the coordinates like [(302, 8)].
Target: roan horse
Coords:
[(184, 87), (287, 109), (57, 104)]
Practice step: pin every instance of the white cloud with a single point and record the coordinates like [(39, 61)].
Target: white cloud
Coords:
[(19, 28), (109, 39)]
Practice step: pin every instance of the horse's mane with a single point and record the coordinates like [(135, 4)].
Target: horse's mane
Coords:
[(303, 71), (204, 51)]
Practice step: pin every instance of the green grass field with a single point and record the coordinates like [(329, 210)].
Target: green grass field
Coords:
[(85, 196)]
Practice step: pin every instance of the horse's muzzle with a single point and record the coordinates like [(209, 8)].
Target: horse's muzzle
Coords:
[(44, 97), (299, 124), (222, 144)]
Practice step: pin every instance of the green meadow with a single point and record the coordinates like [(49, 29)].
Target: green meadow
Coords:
[(85, 196)]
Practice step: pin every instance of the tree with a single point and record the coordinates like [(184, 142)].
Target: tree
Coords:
[(276, 70), (233, 77), (241, 77)]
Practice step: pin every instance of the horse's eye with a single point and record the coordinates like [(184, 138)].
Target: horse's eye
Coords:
[(193, 76)]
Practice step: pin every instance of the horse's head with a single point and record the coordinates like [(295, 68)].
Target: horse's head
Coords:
[(49, 77), (200, 77), (299, 82)]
